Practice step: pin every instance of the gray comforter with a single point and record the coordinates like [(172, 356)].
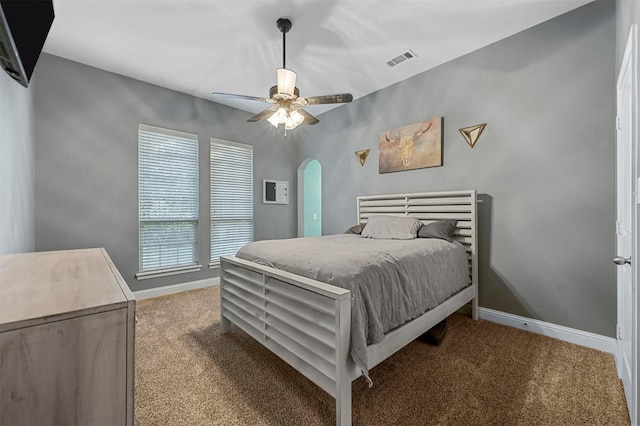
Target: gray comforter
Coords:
[(391, 281)]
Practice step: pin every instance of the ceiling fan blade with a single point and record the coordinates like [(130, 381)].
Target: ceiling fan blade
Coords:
[(264, 114), (308, 118), (240, 97), (341, 98)]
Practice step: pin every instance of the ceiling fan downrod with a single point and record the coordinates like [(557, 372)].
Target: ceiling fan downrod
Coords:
[(284, 25)]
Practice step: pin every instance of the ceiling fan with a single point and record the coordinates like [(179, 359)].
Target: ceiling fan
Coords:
[(285, 96)]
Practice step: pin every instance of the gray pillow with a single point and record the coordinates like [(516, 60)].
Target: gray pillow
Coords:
[(356, 229), (442, 229), (391, 228)]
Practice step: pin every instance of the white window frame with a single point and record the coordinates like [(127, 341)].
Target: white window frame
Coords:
[(247, 190), (147, 272)]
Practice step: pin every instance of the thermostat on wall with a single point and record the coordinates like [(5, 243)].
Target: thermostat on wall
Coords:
[(275, 191)]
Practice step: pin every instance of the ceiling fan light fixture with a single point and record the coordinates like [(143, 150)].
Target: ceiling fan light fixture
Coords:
[(287, 116), (286, 82)]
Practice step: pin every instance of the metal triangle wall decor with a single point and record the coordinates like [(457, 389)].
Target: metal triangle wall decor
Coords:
[(362, 156), (472, 134)]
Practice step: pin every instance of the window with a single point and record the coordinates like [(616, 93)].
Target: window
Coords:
[(231, 198), (168, 199)]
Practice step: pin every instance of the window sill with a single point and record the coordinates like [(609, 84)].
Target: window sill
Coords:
[(166, 272), (214, 265)]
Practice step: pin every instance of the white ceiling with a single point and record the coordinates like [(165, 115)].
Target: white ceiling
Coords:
[(233, 46)]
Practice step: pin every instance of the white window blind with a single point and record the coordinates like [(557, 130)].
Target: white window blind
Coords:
[(168, 198), (231, 198)]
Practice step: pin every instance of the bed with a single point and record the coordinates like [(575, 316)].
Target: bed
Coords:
[(308, 322)]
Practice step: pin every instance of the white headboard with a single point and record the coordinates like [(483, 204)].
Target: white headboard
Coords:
[(429, 207)]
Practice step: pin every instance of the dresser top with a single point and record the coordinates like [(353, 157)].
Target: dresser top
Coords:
[(42, 287)]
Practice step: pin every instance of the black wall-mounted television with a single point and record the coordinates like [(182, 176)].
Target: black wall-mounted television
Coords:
[(24, 26)]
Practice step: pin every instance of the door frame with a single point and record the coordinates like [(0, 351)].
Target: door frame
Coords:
[(628, 69)]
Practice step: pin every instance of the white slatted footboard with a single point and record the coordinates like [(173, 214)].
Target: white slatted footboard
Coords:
[(305, 322)]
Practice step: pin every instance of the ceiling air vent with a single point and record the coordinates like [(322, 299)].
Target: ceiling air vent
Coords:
[(398, 59)]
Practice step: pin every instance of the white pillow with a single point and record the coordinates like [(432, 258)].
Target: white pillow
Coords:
[(391, 228)]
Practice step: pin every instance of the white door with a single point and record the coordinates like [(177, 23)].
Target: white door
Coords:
[(626, 221)]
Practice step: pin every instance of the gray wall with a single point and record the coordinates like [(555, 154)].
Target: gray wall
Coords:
[(16, 167), (86, 158), (544, 166)]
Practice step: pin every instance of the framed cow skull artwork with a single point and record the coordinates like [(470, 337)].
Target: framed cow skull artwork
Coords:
[(416, 146)]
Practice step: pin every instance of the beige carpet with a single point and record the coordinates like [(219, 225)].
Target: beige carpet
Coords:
[(482, 374)]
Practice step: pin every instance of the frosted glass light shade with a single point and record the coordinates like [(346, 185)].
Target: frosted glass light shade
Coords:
[(273, 119), (286, 81), (278, 117)]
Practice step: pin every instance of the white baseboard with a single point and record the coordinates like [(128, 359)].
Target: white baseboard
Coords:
[(571, 335), (176, 288)]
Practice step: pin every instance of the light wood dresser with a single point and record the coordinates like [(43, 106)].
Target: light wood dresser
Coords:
[(67, 325)]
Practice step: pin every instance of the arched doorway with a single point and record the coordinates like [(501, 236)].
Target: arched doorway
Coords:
[(310, 198)]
